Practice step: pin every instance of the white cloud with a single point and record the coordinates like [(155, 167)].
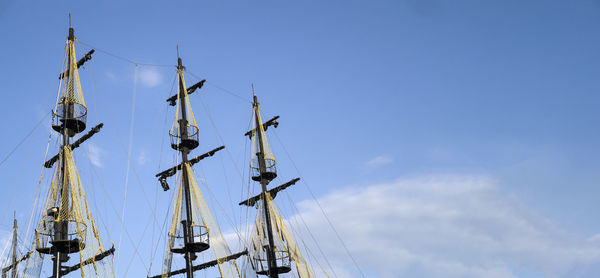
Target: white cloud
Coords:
[(142, 158), (111, 76), (444, 226), (595, 237), (95, 154), (150, 77), (380, 160)]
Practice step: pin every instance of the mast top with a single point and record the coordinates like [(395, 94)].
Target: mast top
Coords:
[(255, 103), (71, 30), (179, 62)]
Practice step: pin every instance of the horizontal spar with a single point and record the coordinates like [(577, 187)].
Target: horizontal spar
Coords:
[(272, 122), (6, 269), (76, 144), (98, 257), (189, 90), (273, 192), (80, 63), (162, 176), (204, 265)]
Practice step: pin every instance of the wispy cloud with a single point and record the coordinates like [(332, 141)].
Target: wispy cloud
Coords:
[(595, 238), (111, 76), (150, 77), (444, 226), (95, 154), (142, 158), (380, 160)]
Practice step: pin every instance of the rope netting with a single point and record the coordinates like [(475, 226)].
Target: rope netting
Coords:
[(66, 224), (270, 164), (201, 217), (285, 247), (66, 208), (191, 127)]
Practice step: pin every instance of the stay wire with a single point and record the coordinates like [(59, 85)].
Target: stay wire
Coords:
[(298, 235), (123, 58), (311, 235), (93, 169), (228, 185), (159, 168), (320, 207), (131, 125), (220, 88), (120, 137), (24, 138), (37, 193)]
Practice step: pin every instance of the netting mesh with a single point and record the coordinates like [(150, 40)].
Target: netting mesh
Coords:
[(201, 216), (70, 105), (270, 164), (67, 206), (285, 246), (191, 128), (72, 91)]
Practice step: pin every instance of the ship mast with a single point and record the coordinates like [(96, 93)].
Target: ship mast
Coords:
[(199, 228), (184, 138), (67, 226), (280, 246), (61, 228), (14, 251), (184, 149), (264, 181)]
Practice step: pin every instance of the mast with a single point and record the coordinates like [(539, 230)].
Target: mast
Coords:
[(188, 236), (192, 222), (61, 228), (67, 226), (14, 251), (264, 182), (280, 247)]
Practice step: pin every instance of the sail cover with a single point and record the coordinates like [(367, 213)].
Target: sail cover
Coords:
[(201, 216), (286, 248), (71, 203)]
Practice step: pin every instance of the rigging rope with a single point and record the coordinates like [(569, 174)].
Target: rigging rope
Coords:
[(172, 195), (293, 204), (128, 158), (162, 143), (37, 193), (24, 138), (320, 207), (123, 58), (298, 235), (93, 169), (119, 135), (220, 88)]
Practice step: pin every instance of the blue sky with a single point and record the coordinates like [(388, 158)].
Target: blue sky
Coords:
[(473, 123)]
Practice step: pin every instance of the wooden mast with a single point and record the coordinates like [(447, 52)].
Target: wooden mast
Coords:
[(61, 228), (14, 246), (263, 182), (188, 237)]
